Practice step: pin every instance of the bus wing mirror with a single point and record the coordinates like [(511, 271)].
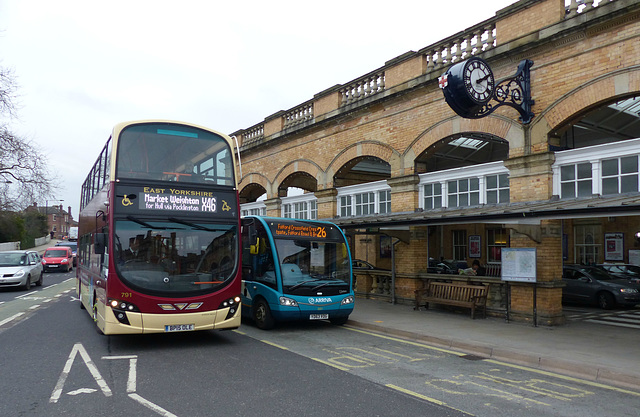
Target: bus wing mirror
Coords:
[(344, 250), (100, 243)]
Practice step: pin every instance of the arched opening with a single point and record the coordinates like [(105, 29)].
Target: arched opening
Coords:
[(362, 170), (606, 123), (465, 149), (251, 193)]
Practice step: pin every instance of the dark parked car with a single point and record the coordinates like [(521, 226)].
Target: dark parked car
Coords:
[(360, 265), (624, 271), (74, 249), (594, 285), (442, 267)]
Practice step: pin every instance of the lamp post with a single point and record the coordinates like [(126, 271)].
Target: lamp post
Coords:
[(46, 212)]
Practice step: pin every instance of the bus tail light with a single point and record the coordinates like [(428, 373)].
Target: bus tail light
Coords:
[(232, 304)]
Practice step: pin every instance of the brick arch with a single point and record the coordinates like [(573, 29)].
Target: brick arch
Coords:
[(360, 149), (617, 84), (252, 180), (499, 126), (298, 166)]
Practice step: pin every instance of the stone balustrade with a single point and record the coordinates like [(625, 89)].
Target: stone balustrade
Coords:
[(426, 64)]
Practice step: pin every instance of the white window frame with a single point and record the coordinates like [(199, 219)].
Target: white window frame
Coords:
[(257, 208), (351, 191), (480, 172), (303, 206), (593, 155)]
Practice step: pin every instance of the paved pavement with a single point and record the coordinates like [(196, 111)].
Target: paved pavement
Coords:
[(584, 349)]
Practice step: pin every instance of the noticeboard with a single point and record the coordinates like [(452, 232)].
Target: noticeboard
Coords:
[(519, 264)]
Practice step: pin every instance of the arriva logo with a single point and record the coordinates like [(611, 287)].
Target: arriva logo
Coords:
[(319, 300)]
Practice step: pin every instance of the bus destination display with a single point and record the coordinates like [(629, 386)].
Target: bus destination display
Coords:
[(175, 200), (298, 230)]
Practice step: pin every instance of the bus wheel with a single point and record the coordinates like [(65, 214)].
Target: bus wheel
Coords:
[(262, 315), (339, 321)]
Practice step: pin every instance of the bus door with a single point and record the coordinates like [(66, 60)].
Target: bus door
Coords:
[(259, 279)]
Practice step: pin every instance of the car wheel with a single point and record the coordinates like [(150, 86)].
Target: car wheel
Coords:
[(27, 284), (606, 301), (262, 315), (39, 281)]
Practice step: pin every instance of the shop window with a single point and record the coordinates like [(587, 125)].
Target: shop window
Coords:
[(587, 244), (459, 245), (496, 240)]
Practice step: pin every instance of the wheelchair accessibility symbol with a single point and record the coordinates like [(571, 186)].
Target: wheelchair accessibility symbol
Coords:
[(225, 206), (126, 201)]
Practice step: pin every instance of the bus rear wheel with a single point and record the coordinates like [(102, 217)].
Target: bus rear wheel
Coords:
[(262, 315)]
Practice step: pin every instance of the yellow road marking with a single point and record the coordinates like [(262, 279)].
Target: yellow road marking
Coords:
[(424, 397), (330, 364), (408, 342), (273, 344), (565, 377)]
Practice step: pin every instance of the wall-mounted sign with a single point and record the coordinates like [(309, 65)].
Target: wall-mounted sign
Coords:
[(519, 264), (474, 246)]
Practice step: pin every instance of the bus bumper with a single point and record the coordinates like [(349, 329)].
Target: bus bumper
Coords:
[(166, 323)]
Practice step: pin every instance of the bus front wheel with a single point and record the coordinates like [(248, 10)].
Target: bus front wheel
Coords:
[(339, 321), (262, 315)]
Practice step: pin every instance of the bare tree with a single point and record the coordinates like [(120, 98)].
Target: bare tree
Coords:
[(24, 175)]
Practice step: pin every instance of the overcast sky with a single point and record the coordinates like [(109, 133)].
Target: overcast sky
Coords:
[(83, 66)]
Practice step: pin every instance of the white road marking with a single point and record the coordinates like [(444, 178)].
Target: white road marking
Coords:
[(27, 294), (78, 348), (7, 320), (151, 406)]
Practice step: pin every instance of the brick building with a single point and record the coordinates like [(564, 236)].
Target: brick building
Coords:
[(387, 159), (59, 220)]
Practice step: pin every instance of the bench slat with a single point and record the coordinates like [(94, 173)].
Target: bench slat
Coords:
[(453, 293)]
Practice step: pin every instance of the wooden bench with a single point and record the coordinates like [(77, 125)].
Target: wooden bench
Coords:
[(455, 294)]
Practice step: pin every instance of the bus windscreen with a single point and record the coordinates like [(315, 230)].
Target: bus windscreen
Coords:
[(154, 151)]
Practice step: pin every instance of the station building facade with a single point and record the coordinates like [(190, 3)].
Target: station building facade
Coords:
[(412, 183)]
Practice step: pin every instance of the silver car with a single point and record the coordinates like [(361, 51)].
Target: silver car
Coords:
[(20, 268)]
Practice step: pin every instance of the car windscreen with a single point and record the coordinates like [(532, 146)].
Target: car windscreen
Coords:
[(56, 253), (12, 259)]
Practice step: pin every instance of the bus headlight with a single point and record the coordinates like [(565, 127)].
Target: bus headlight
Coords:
[(286, 301), (347, 300), (233, 304), (120, 309)]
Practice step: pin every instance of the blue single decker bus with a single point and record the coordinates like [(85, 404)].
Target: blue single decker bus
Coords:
[(295, 270)]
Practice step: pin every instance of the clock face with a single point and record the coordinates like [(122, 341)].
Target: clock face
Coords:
[(478, 80)]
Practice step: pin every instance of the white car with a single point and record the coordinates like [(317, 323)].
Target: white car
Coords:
[(20, 268)]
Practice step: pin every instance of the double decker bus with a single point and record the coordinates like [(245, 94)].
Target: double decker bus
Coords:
[(295, 270), (159, 231)]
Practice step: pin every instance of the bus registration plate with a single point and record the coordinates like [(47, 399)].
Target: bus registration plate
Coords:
[(318, 316), (179, 327)]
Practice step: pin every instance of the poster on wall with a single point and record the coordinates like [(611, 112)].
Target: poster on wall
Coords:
[(385, 246), (474, 246), (614, 246)]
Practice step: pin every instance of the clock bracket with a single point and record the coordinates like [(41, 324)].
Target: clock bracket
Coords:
[(514, 92)]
